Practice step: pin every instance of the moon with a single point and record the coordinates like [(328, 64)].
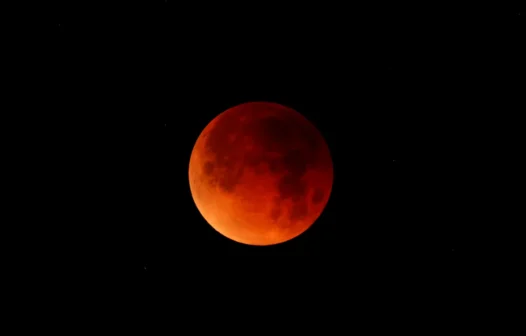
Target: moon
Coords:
[(260, 173)]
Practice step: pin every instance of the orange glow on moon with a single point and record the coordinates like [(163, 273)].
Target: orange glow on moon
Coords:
[(260, 173)]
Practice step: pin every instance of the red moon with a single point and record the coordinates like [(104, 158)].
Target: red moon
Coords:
[(260, 173)]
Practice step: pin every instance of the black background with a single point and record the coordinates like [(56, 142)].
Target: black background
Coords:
[(413, 103)]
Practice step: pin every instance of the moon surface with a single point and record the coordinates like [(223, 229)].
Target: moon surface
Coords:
[(260, 173)]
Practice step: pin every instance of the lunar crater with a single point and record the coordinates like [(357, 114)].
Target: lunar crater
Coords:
[(317, 196)]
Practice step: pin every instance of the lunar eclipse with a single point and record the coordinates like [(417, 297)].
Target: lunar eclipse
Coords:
[(260, 173)]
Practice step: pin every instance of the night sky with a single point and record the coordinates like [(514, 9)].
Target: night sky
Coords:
[(402, 98)]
